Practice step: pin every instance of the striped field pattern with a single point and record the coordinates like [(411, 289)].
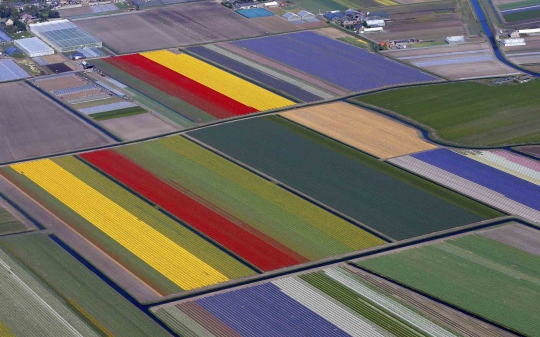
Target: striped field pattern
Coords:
[(499, 178), (477, 272), (141, 234), (207, 92), (184, 218), (331, 302)]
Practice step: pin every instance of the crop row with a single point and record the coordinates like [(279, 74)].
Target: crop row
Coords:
[(143, 234), (470, 272), (221, 81), (331, 302), (484, 182)]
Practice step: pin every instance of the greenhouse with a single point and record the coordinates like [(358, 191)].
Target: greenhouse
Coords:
[(64, 35), (34, 47)]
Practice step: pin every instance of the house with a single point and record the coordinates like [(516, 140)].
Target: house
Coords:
[(354, 14), (26, 18), (513, 34), (9, 22)]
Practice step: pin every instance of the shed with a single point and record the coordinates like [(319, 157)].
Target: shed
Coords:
[(455, 39), (271, 4), (12, 50), (374, 23), (529, 31), (4, 38), (513, 42), (34, 47)]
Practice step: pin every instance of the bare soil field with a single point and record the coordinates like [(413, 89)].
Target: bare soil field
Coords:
[(75, 11), (276, 24), (420, 30), (55, 58), (331, 32), (137, 126), (56, 83), (171, 26), (362, 129), (90, 252), (454, 61), (33, 125)]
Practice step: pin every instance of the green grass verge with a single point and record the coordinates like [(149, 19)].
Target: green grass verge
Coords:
[(355, 42), (469, 113), (93, 299), (477, 274), (101, 116)]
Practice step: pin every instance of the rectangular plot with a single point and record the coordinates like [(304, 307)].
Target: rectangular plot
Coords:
[(347, 66), (107, 107), (470, 59), (360, 128), (332, 302), (91, 297), (469, 272), (10, 71), (358, 185), (255, 74)]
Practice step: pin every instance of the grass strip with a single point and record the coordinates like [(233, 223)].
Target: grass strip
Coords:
[(101, 116)]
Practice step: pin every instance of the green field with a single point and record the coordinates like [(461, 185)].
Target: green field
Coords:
[(355, 42), (106, 311), (9, 224), (527, 15), (315, 6), (491, 279), (469, 113), (30, 308), (251, 201), (519, 4), (385, 198), (136, 110), (180, 107)]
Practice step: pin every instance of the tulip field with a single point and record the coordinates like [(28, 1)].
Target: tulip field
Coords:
[(331, 302), (208, 93), (184, 218), (499, 178), (479, 273)]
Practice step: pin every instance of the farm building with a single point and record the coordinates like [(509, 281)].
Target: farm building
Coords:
[(272, 4), (334, 15), (4, 38), (378, 15), (374, 23), (503, 80), (245, 5), (513, 42), (371, 30), (292, 17), (529, 31), (34, 47), (454, 39), (64, 36), (514, 34)]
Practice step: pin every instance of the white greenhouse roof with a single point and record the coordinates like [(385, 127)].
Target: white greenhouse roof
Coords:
[(63, 34), (34, 45)]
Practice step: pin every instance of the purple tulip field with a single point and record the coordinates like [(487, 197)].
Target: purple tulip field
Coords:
[(344, 65), (499, 178)]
